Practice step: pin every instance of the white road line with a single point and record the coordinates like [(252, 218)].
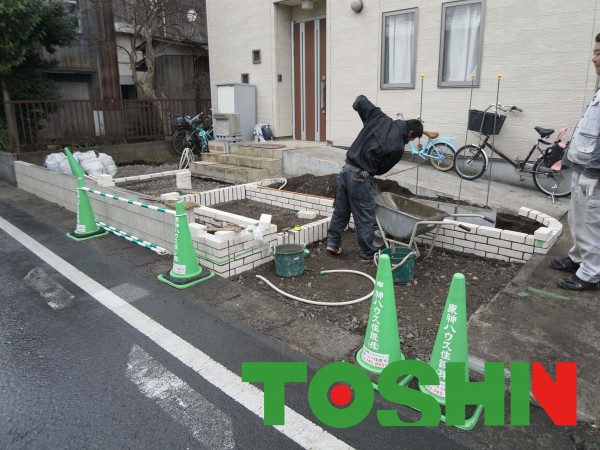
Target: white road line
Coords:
[(297, 427), (55, 295), (208, 424)]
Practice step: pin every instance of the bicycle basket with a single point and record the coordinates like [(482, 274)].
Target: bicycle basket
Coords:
[(484, 122), (181, 122)]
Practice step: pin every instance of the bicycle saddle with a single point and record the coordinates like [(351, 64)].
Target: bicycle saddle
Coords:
[(544, 132), (435, 134)]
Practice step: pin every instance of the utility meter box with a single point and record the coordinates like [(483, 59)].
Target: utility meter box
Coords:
[(239, 98)]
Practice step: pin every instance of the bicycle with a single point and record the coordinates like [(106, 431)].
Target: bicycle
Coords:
[(438, 151), (471, 161), (190, 134)]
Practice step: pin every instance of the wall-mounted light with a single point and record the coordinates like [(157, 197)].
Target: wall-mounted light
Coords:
[(307, 4), (356, 5)]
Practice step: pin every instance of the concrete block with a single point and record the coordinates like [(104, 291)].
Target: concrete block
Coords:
[(513, 236), (265, 221), (542, 234), (307, 214), (105, 180), (169, 196), (184, 180), (225, 235), (197, 229)]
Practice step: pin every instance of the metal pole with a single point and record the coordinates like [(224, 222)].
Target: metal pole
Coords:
[(493, 137)]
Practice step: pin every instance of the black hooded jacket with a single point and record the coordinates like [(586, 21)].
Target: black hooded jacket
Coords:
[(380, 144)]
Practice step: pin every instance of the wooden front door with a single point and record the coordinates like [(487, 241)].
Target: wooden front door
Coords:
[(310, 111)]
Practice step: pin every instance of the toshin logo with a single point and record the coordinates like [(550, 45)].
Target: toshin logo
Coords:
[(341, 395)]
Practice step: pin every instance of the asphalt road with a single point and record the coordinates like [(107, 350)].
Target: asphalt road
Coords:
[(95, 354)]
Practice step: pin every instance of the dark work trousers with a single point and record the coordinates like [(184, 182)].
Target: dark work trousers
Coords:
[(353, 197)]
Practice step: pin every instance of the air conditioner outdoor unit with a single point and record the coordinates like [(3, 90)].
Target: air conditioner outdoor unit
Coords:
[(226, 125)]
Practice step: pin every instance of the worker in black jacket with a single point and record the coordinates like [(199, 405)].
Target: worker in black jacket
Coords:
[(378, 147)]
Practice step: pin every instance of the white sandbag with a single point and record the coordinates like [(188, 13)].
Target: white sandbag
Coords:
[(109, 164), (92, 166), (83, 156), (53, 161), (65, 167)]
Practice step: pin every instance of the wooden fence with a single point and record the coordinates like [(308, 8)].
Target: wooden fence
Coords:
[(41, 124)]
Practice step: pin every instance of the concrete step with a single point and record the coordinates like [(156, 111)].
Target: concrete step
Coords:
[(229, 173), (273, 165), (237, 149)]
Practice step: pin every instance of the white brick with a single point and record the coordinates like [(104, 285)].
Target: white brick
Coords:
[(524, 211), (105, 180), (533, 215), (196, 229), (454, 234), (169, 196), (486, 248), (542, 234), (522, 247), (477, 238), (510, 253), (513, 236), (307, 215), (464, 243), (489, 231)]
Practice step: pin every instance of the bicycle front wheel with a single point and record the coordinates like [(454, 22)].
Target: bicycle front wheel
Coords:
[(441, 156), (551, 182), (470, 162), (179, 141)]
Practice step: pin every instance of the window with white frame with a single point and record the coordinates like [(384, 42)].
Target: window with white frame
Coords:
[(398, 49), (461, 39)]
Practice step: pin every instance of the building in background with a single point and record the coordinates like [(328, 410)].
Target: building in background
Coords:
[(309, 59)]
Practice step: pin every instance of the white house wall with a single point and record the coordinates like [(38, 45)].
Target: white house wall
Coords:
[(235, 29), (542, 49)]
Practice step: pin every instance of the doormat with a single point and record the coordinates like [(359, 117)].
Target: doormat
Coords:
[(261, 145)]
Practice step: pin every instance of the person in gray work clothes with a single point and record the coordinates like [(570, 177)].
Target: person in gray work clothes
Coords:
[(583, 157), (377, 148)]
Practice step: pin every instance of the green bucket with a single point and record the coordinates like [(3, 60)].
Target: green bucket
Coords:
[(289, 260), (402, 274)]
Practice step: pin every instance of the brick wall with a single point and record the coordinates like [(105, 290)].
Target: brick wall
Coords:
[(230, 253)]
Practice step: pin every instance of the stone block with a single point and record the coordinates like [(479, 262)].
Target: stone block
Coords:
[(169, 196), (307, 214)]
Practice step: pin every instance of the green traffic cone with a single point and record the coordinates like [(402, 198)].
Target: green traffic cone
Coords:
[(451, 345), (381, 345), (86, 222), (75, 167), (186, 271)]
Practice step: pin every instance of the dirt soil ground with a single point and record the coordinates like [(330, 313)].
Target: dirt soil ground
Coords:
[(419, 303)]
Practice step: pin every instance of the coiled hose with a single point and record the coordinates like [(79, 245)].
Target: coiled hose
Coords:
[(312, 302)]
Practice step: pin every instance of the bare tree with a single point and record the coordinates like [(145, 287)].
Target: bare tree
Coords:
[(152, 24)]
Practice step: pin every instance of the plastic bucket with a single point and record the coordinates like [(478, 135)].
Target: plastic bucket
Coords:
[(289, 260), (404, 273)]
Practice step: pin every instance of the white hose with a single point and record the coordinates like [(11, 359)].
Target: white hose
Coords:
[(312, 302), (284, 180), (187, 157)]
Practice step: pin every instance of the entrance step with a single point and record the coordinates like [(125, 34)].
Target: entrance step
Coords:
[(274, 166), (228, 172)]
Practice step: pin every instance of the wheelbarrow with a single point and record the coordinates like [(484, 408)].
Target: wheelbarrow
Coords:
[(404, 219)]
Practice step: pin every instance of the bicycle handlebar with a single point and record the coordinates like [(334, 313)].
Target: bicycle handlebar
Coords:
[(506, 108)]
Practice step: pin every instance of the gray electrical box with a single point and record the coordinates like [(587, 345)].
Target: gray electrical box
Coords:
[(227, 125), (239, 98)]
